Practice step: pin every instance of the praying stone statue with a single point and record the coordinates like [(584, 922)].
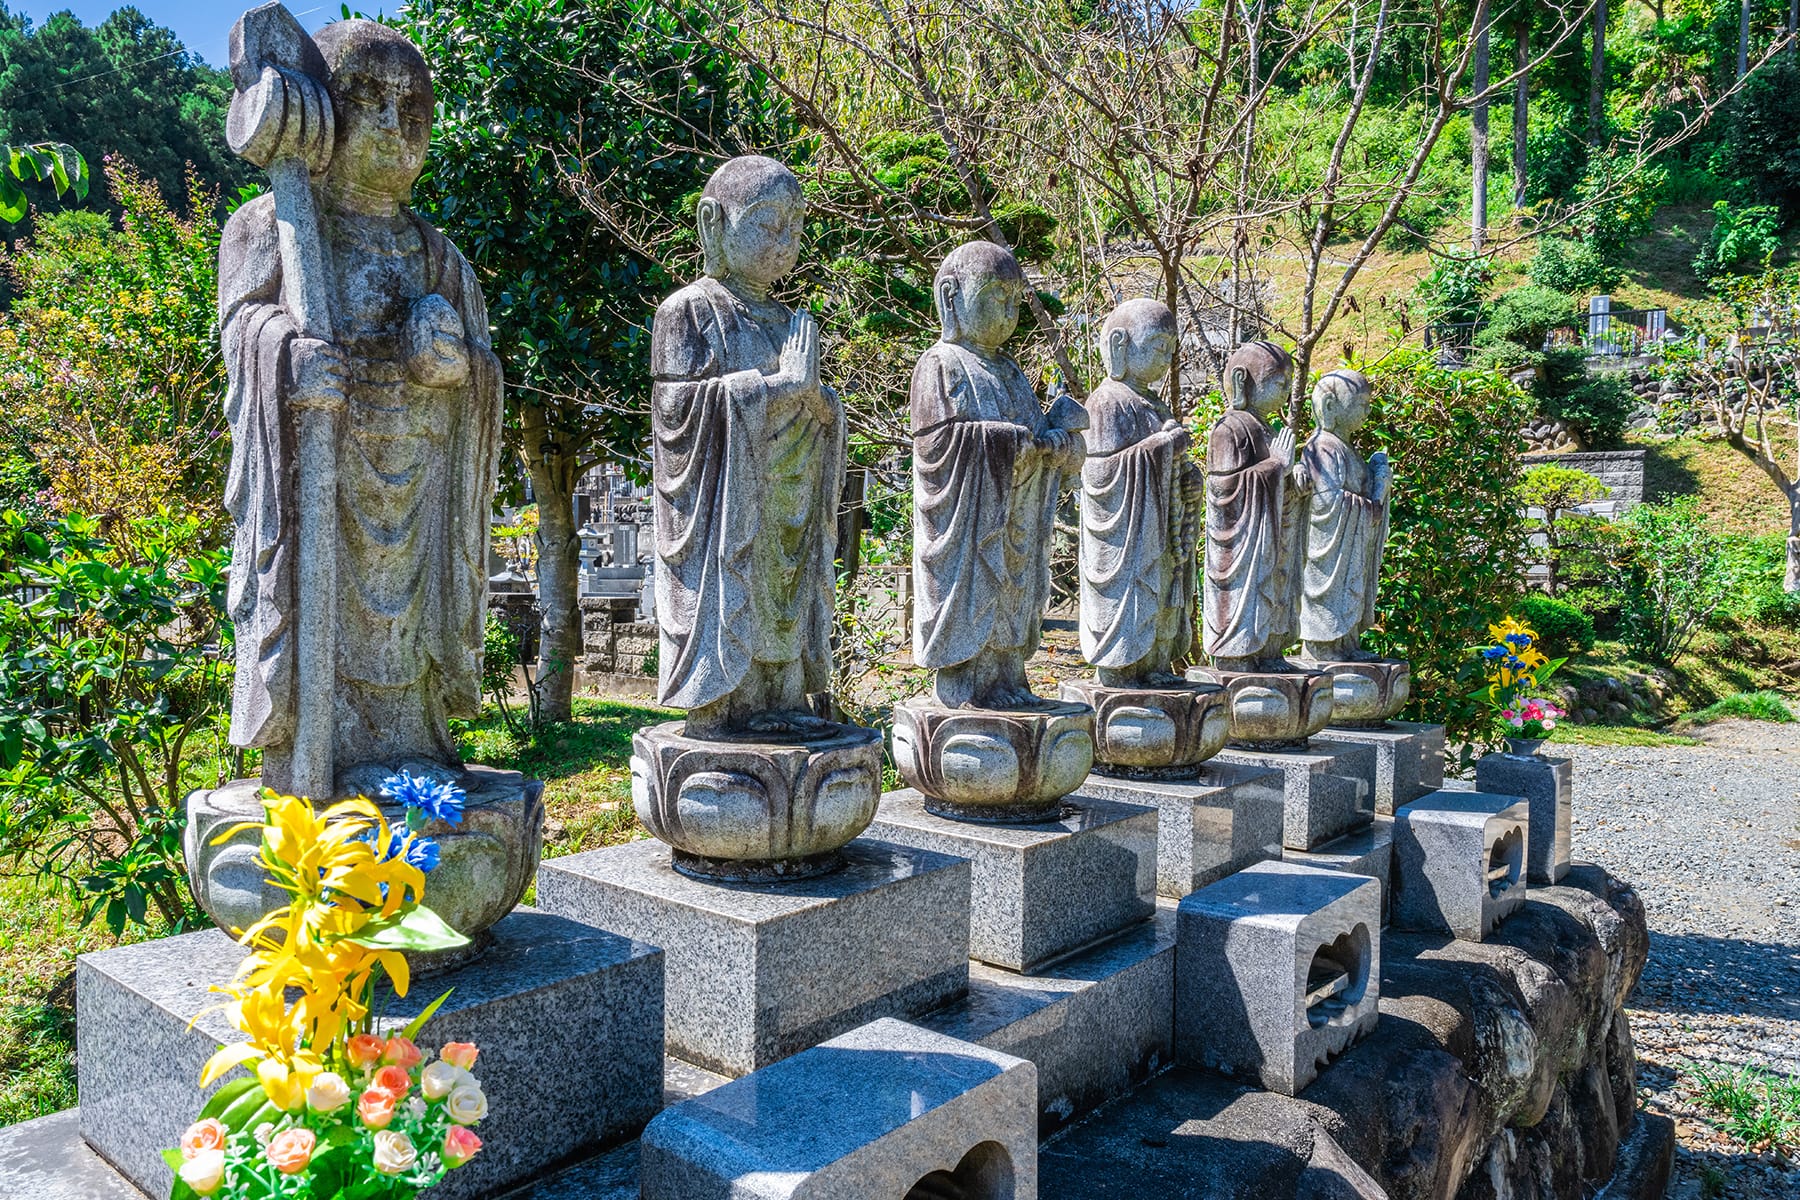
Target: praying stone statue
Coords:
[(1255, 496), (1347, 527), (749, 465), (989, 464), (364, 400), (1141, 511)]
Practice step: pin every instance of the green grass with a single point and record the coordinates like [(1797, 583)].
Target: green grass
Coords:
[(1756, 1106), (1616, 735), (1748, 706)]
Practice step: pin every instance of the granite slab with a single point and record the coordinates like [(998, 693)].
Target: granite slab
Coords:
[(1409, 760), (1222, 820), (1328, 787), (1368, 851), (758, 971), (1546, 783), (1459, 863), (1043, 890), (544, 982)]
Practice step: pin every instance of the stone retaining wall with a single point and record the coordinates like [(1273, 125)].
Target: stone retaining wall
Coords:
[(1622, 471)]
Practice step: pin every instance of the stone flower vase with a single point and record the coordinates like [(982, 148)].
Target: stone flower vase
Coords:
[(1524, 747)]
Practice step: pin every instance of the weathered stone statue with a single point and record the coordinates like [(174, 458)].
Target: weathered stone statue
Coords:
[(1255, 490), (1347, 527), (364, 402), (988, 466), (1141, 511), (749, 464)]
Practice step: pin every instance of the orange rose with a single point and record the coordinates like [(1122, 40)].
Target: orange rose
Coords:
[(460, 1145), (401, 1053), (365, 1050), (459, 1054), (376, 1108), (291, 1150), (202, 1135), (393, 1080)]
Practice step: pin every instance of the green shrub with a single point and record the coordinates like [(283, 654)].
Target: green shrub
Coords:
[(1743, 240), (1760, 566), (1525, 316), (1454, 289), (1671, 573), (1747, 706), (1597, 406), (1560, 625), (1574, 268), (1757, 150)]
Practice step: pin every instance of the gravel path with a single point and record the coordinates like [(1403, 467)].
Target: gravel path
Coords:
[(1710, 837)]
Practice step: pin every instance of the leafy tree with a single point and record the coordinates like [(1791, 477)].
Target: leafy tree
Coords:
[(61, 166), (572, 142), (1757, 147), (1672, 573), (1556, 491), (1743, 240)]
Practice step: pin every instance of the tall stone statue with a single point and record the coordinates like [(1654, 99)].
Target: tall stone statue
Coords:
[(1255, 544), (1141, 511), (989, 464), (364, 399), (749, 465), (1346, 530)]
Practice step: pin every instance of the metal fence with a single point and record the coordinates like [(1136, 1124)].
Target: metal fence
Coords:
[(1602, 331)]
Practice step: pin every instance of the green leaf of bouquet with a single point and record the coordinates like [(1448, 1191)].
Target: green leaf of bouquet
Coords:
[(416, 929), (411, 1032), (229, 1093)]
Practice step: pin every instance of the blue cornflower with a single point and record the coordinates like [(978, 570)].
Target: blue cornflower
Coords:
[(441, 801), (1519, 639), (1493, 652)]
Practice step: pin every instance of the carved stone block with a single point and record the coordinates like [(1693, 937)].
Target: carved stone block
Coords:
[(1223, 819), (746, 809), (1153, 729), (1272, 709), (1545, 783), (992, 764), (1365, 694), (1409, 760), (1459, 863)]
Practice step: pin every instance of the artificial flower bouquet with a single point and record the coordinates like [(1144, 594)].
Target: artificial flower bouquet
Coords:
[(334, 1111), (1517, 672)]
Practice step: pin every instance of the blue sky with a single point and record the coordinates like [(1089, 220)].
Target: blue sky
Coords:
[(202, 25)]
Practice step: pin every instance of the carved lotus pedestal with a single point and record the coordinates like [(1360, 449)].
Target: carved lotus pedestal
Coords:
[(1364, 695), (1150, 732), (979, 764), (484, 864), (755, 809), (1271, 710)]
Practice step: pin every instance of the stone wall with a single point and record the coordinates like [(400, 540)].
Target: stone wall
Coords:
[(1622, 471)]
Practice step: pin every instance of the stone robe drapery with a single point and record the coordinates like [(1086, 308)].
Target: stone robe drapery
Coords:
[(1245, 495), (1136, 575), (1346, 531), (745, 505), (984, 508), (415, 492)]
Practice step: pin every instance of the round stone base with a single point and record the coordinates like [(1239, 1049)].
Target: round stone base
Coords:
[(1364, 695), (1161, 730), (742, 809), (1272, 710), (484, 864), (979, 764)]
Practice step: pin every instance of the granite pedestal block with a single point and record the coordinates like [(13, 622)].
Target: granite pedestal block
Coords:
[(1545, 784), (1328, 788), (1096, 1024), (1409, 760), (1044, 890), (757, 971), (1277, 971), (1222, 820), (883, 1112), (544, 983), (1366, 851), (1459, 863)]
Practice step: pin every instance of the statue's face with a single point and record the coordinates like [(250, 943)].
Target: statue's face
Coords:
[(384, 125), (760, 242), (987, 309), (1267, 396), (1148, 355)]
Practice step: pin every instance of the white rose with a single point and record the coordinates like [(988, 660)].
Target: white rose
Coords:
[(204, 1172), (328, 1093), (440, 1078), (467, 1104), (394, 1152)]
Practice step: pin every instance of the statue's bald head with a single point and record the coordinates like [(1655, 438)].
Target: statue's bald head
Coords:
[(1138, 341), (1340, 401), (749, 220), (978, 287), (748, 178), (381, 99), (1256, 375)]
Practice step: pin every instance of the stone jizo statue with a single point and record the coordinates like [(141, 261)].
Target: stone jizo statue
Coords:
[(1141, 506), (988, 465), (1347, 523), (749, 462)]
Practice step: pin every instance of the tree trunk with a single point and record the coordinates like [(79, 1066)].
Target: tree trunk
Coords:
[(1479, 144), (558, 568), (1793, 24), (1597, 78), (1791, 582), (1522, 111), (1743, 63)]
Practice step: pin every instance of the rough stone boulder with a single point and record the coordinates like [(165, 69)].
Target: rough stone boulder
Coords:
[(1499, 1071)]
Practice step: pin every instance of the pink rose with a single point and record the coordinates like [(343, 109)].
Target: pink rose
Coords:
[(460, 1054), (376, 1108), (202, 1135), (460, 1145), (365, 1050), (392, 1079), (401, 1053), (291, 1150)]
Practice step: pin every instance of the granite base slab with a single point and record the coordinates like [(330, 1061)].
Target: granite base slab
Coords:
[(1409, 760), (1328, 787), (544, 982), (884, 1111), (1222, 820), (1043, 890), (1368, 851), (1096, 1024), (758, 971), (1546, 784)]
